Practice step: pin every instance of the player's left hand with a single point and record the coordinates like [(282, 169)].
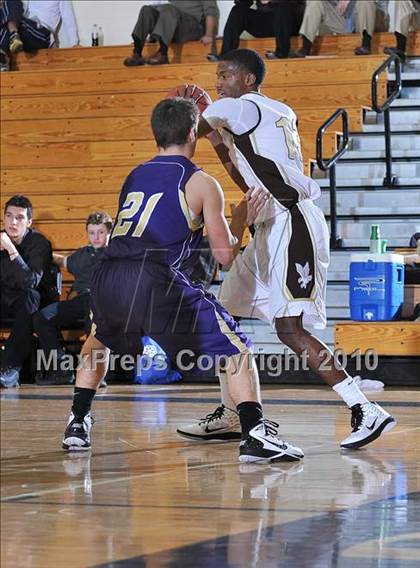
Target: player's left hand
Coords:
[(256, 198)]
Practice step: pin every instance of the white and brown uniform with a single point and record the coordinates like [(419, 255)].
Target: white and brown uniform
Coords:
[(283, 270)]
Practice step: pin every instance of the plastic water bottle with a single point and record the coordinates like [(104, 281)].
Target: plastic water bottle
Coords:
[(95, 36), (375, 240), (100, 36)]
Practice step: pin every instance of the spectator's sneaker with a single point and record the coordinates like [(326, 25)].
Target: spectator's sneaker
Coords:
[(55, 378), (4, 61), (361, 50), (134, 60), (263, 445), (395, 51), (297, 54), (275, 55), (222, 424), (15, 43), (9, 377), (212, 57), (368, 385), (77, 435), (368, 421)]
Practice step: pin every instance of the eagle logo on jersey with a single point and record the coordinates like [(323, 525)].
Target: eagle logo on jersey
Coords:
[(304, 273)]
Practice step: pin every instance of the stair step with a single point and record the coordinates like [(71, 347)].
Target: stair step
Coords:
[(405, 102), (349, 172), (368, 182), (377, 154), (361, 242), (400, 117), (390, 228), (412, 62), (410, 73), (338, 275), (403, 141), (410, 93), (338, 312), (338, 295), (381, 203), (380, 128)]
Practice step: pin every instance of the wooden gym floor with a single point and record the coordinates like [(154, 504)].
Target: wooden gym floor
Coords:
[(146, 498)]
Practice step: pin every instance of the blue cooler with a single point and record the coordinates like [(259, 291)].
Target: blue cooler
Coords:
[(376, 286)]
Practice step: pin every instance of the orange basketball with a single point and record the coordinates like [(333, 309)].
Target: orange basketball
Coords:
[(200, 96)]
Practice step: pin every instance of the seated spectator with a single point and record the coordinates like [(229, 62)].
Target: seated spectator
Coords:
[(371, 16), (407, 15), (177, 21), (49, 321), (10, 42), (271, 18), (35, 27), (26, 283), (335, 16)]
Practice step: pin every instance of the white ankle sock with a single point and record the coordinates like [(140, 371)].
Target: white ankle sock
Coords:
[(350, 392), (226, 398)]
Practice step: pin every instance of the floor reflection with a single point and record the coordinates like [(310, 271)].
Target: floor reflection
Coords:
[(374, 535)]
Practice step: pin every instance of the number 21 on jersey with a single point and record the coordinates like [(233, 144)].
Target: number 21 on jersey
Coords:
[(131, 207)]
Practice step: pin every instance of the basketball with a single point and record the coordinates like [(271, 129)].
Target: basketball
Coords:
[(201, 98)]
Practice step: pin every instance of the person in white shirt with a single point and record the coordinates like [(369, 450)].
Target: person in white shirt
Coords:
[(33, 24), (281, 275), (407, 16), (49, 14)]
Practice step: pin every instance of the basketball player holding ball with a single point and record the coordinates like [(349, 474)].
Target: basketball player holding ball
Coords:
[(281, 275)]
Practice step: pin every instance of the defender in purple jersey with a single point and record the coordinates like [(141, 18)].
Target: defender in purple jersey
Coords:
[(143, 285)]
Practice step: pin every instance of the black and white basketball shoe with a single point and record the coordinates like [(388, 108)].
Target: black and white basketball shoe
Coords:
[(368, 421), (263, 445), (221, 425), (77, 435)]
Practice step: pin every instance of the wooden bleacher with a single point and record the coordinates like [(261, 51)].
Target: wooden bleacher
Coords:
[(195, 52), (75, 121), (399, 338)]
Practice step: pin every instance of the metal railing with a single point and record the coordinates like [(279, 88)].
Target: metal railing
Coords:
[(329, 165), (389, 180)]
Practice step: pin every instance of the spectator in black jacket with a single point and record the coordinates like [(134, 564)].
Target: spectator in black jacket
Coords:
[(270, 18), (26, 283), (49, 320)]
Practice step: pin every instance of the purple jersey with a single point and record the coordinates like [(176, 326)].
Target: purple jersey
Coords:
[(143, 287), (154, 221)]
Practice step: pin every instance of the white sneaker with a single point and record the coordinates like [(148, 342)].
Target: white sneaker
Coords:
[(222, 424), (263, 445), (368, 385), (77, 435), (368, 421)]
